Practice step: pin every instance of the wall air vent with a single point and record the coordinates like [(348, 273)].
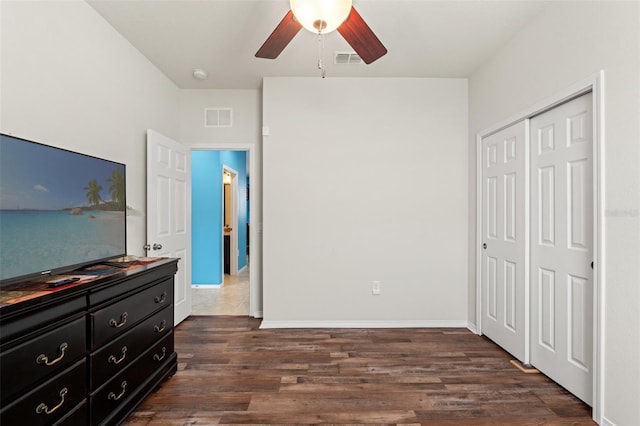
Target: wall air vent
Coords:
[(218, 117), (348, 58)]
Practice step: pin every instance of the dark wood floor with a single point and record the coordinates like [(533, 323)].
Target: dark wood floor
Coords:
[(230, 372)]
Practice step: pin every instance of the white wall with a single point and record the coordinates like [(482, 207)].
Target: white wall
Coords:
[(365, 179), (247, 110), (567, 42), (68, 79)]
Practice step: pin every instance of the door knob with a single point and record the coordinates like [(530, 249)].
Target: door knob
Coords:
[(157, 246), (147, 247), (484, 246)]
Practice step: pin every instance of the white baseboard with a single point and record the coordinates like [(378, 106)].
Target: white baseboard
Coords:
[(242, 269), (607, 422), (364, 324), (472, 328)]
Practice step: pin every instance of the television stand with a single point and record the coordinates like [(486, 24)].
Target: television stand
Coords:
[(89, 353)]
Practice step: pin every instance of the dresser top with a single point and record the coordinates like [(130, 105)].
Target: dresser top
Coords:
[(21, 295)]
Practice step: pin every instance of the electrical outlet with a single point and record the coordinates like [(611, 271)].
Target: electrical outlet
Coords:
[(375, 287)]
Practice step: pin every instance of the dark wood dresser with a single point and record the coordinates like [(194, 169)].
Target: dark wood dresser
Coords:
[(88, 353)]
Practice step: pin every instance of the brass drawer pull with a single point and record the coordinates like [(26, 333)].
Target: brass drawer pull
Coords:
[(161, 298), (160, 328), (160, 357), (123, 321), (113, 397), (112, 359), (43, 408), (43, 359)]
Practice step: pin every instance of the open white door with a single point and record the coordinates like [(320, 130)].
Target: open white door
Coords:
[(169, 211)]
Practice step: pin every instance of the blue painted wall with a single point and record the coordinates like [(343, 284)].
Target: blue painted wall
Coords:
[(207, 210)]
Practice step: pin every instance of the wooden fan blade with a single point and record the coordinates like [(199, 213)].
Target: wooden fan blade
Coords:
[(280, 37), (360, 37)]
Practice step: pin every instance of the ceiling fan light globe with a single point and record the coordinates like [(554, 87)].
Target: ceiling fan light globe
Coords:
[(332, 13)]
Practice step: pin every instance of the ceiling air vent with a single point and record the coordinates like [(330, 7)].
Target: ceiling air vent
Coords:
[(218, 117), (348, 58)]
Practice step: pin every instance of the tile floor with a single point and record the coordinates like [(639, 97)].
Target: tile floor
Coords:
[(230, 299)]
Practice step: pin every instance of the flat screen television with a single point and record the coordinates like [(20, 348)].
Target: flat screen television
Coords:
[(59, 210)]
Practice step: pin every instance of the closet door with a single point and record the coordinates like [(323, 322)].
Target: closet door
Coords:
[(562, 245), (504, 239)]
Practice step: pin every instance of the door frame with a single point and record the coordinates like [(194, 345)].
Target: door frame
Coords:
[(233, 248), (255, 249), (595, 84)]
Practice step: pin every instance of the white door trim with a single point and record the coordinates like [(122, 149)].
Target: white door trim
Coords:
[(255, 249), (594, 84), (233, 243)]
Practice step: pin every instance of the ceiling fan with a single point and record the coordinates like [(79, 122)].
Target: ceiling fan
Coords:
[(321, 17)]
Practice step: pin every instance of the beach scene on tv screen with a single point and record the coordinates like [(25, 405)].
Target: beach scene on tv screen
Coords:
[(57, 208)]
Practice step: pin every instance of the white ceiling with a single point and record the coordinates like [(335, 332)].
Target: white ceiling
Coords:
[(424, 38)]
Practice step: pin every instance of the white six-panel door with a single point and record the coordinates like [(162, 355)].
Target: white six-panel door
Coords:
[(504, 239), (169, 211), (562, 245)]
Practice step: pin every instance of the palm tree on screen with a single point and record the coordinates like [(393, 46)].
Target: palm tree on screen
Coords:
[(93, 192), (116, 189)]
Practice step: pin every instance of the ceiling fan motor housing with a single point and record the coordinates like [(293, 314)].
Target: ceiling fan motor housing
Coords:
[(319, 24)]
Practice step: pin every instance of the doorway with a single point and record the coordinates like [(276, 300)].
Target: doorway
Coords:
[(246, 196)]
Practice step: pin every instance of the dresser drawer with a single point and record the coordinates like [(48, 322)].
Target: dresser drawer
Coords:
[(121, 389), (17, 325), (121, 316), (117, 355), (131, 282), (23, 366), (160, 352), (51, 401), (76, 417)]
